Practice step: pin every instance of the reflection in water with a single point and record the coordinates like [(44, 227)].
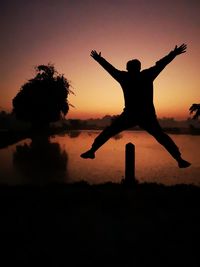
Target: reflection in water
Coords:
[(73, 134), (41, 161), (117, 136)]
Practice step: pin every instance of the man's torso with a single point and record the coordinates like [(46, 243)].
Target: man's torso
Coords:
[(138, 92)]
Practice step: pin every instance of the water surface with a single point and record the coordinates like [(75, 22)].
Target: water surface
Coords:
[(42, 161)]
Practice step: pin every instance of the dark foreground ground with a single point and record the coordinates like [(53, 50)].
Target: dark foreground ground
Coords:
[(103, 225)]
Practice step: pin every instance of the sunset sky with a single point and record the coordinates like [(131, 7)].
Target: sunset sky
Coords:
[(64, 32)]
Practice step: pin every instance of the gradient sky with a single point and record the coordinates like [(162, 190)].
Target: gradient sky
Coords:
[(64, 33)]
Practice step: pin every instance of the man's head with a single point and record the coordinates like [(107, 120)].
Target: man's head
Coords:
[(133, 65)]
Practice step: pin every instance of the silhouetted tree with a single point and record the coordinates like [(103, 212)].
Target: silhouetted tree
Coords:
[(195, 108), (43, 99)]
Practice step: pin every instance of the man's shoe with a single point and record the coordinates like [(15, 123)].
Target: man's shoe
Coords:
[(183, 163), (88, 155)]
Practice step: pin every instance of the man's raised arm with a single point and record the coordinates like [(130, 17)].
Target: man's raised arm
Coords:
[(115, 73), (161, 64)]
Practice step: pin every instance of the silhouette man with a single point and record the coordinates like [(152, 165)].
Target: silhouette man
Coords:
[(139, 109)]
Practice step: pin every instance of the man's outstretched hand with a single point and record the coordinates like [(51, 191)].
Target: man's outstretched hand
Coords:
[(95, 55), (180, 49)]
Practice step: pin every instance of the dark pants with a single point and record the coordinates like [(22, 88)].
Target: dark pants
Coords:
[(150, 124)]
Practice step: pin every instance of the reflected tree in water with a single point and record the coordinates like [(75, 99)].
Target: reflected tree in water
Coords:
[(74, 134), (43, 99), (41, 161)]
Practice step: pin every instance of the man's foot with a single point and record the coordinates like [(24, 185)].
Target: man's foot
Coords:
[(183, 163), (88, 155)]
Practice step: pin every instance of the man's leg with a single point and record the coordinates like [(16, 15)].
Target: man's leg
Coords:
[(152, 126), (117, 126)]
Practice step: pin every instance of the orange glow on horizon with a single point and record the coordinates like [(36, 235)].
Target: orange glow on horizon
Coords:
[(121, 30)]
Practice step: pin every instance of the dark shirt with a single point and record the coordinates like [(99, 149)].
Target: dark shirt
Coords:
[(138, 89)]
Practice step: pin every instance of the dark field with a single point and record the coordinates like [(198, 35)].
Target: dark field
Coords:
[(100, 225)]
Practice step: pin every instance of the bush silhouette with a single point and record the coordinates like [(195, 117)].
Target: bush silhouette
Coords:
[(42, 99), (195, 108)]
